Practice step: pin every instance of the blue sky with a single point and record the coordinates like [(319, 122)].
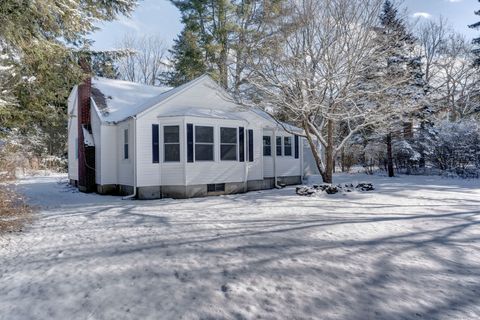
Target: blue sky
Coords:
[(160, 17)]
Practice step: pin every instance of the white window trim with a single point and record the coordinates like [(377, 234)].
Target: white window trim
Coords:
[(263, 146), (237, 143), (195, 125), (162, 155)]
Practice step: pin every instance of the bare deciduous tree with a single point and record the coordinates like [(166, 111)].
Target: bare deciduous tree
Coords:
[(311, 68), (457, 79), (146, 59), (431, 36)]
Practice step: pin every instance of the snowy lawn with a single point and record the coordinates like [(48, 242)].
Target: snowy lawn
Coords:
[(409, 250)]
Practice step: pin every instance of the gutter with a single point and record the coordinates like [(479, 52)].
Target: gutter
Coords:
[(134, 194)]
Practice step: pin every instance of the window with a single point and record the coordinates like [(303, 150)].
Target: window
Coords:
[(171, 141), (267, 145), (287, 146), (125, 144), (250, 145), (217, 187), (203, 143), (279, 146), (155, 146), (228, 144)]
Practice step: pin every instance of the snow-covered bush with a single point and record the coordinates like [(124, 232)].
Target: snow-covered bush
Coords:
[(456, 147)]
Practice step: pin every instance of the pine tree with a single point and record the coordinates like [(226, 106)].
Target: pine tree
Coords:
[(401, 64), (209, 22), (476, 41), (187, 58), (41, 38), (103, 63)]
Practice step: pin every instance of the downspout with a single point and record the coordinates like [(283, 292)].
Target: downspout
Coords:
[(134, 194), (274, 142), (300, 151), (246, 156)]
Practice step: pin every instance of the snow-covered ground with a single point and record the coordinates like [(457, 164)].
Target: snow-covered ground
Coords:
[(409, 250)]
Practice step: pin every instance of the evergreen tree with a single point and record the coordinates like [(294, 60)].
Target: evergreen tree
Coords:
[(40, 37), (476, 41), (187, 58), (103, 63), (209, 21), (401, 64)]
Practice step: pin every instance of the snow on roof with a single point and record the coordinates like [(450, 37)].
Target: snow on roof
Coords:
[(203, 113), (116, 100), (268, 117)]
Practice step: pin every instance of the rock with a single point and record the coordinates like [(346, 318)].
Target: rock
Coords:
[(365, 186), (304, 191), (332, 189)]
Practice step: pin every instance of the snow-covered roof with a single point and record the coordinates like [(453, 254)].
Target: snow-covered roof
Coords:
[(203, 113), (116, 100), (268, 117)]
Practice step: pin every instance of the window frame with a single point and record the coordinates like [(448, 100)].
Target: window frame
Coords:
[(126, 148), (269, 145), (236, 144), (195, 143), (171, 143), (289, 138), (215, 187), (277, 138)]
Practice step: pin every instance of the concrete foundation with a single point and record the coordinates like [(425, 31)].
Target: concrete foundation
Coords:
[(107, 189), (193, 191)]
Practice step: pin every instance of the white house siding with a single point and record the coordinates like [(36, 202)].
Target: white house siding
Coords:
[(172, 173), (255, 168), (156, 174), (96, 127), (109, 152), (285, 165), (217, 171), (125, 166), (309, 164), (268, 160), (72, 135)]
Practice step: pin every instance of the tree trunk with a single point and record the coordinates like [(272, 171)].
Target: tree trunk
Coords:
[(315, 153), (343, 159), (391, 173), (329, 154), (223, 39)]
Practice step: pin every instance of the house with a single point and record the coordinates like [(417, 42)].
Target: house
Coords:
[(153, 142)]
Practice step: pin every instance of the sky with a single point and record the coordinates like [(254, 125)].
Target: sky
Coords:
[(161, 18)]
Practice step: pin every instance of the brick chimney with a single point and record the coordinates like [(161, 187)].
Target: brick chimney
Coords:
[(86, 154)]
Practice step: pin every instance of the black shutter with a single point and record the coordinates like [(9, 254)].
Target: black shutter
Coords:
[(155, 146), (297, 153), (189, 142), (241, 136), (250, 145)]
